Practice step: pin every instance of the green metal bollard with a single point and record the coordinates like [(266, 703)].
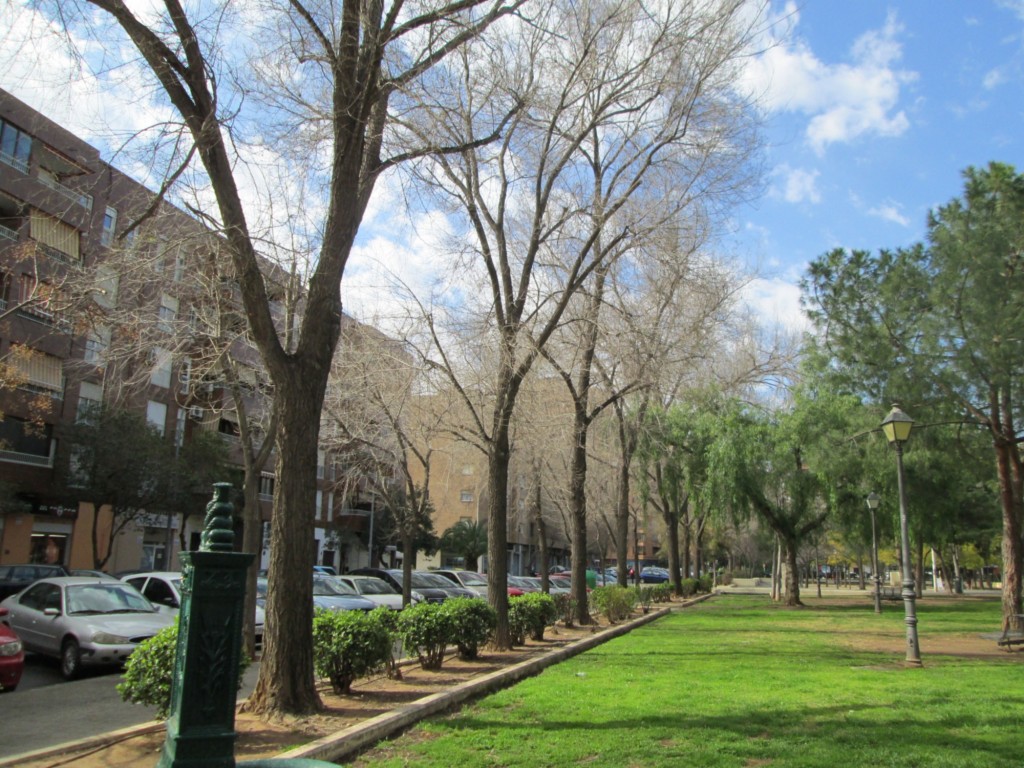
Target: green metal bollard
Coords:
[(201, 727)]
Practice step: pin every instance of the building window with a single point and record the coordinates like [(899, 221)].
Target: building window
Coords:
[(467, 469), (109, 225), (21, 437), (107, 281), (15, 146), (179, 265), (266, 486), (162, 367), (37, 368), (96, 345), (156, 414), (167, 313), (466, 497), (60, 240), (90, 400), (320, 460)]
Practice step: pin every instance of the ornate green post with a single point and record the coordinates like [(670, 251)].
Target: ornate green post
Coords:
[(201, 726)]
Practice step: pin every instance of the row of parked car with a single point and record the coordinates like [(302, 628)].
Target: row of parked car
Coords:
[(91, 618)]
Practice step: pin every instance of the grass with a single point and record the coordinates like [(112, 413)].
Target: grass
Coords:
[(739, 682)]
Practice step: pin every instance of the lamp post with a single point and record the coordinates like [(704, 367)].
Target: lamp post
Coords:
[(873, 501), (897, 426)]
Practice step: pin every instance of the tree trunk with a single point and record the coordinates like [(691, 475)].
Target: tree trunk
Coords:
[(685, 564), (672, 534), (1010, 496), (286, 678), (497, 529), (578, 500), (792, 596)]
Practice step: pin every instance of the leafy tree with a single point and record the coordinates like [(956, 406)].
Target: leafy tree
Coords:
[(934, 327), (468, 539), (120, 461)]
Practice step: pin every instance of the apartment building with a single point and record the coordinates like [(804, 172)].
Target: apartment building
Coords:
[(70, 234)]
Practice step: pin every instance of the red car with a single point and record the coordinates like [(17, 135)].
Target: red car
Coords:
[(12, 659)]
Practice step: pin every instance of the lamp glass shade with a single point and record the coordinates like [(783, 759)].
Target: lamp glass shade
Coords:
[(874, 500), (897, 426)]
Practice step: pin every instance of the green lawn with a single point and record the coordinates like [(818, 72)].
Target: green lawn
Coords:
[(736, 681)]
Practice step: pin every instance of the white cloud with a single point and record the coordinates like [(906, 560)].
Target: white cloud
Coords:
[(993, 79), (797, 185), (889, 211), (777, 303), (843, 101)]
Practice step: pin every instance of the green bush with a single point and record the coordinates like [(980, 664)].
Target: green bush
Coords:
[(614, 602), (661, 593), (428, 629), (565, 608), (147, 673), (473, 622), (348, 645), (705, 583), (689, 587), (529, 615)]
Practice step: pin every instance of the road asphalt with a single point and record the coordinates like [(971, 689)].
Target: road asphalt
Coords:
[(69, 711)]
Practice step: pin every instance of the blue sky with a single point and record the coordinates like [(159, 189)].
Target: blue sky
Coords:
[(874, 109)]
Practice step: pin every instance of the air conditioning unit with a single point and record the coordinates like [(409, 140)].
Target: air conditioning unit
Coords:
[(195, 413)]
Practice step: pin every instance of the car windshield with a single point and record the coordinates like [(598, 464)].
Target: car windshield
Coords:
[(375, 587), (328, 586), (470, 579), (106, 598), (426, 580)]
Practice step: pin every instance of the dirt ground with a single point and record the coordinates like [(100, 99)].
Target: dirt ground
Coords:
[(371, 697)]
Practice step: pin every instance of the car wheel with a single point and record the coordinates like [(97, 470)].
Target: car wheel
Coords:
[(70, 659)]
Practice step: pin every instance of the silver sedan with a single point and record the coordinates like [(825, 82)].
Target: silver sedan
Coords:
[(82, 621)]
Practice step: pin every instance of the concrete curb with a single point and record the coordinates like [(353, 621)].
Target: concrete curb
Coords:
[(350, 741), (356, 738)]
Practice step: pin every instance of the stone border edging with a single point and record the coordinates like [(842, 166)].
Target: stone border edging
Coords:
[(356, 738)]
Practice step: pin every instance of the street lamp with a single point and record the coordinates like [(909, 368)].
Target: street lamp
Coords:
[(897, 426), (873, 501)]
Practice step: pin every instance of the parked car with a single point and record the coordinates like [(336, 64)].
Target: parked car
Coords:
[(82, 621), (425, 579), (327, 570), (475, 582), (375, 590), (559, 583), (164, 588), (654, 575), (525, 583), (94, 574), (14, 578), (328, 594), (12, 659), (428, 589)]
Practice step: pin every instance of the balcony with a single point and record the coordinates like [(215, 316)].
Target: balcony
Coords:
[(15, 162), (69, 194), (31, 459), (6, 233)]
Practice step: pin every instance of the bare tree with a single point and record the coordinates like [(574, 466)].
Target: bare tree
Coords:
[(345, 68), (607, 92)]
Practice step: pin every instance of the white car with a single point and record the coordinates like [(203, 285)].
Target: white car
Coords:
[(82, 621), (374, 589), (164, 588)]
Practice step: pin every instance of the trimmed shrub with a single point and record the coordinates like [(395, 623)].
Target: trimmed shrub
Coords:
[(689, 587), (661, 593), (473, 622), (705, 583), (147, 673), (428, 629), (530, 614), (614, 602), (348, 645), (565, 608)]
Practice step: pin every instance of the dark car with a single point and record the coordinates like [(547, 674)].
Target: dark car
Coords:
[(433, 589), (14, 578)]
